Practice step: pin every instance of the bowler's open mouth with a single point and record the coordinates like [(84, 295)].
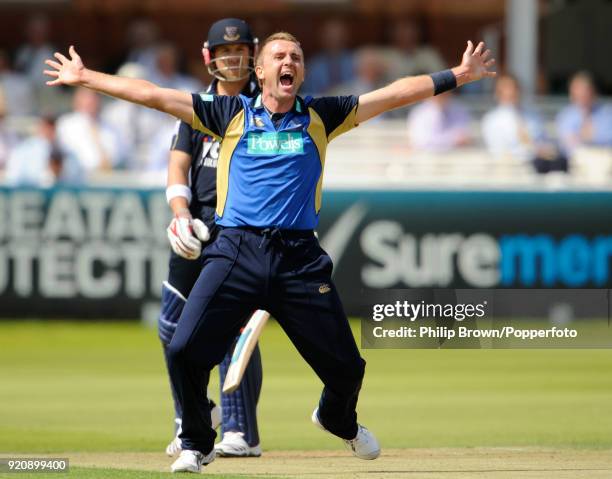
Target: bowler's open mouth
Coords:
[(286, 79)]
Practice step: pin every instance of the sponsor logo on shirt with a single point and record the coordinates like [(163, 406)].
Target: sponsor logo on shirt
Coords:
[(275, 143)]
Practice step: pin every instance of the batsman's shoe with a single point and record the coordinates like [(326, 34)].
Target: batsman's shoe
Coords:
[(364, 445), (175, 447), (234, 445), (192, 461)]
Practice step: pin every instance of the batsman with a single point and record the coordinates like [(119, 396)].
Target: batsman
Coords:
[(266, 256)]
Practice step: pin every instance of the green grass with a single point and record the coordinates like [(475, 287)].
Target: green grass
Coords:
[(102, 387)]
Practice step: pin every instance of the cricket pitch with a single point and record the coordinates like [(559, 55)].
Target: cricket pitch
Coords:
[(439, 463)]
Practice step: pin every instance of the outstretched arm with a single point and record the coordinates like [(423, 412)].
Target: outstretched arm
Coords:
[(474, 66), (72, 72)]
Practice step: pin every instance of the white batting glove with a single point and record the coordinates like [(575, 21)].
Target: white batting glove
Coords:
[(186, 236), (201, 230)]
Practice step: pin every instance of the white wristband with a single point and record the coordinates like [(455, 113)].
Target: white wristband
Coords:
[(174, 191)]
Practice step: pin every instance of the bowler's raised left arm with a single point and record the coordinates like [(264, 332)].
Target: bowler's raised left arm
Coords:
[(474, 66)]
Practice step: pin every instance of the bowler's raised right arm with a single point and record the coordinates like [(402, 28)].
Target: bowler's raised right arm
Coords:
[(71, 71)]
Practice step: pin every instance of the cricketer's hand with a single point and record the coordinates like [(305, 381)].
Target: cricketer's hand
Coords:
[(475, 62), (65, 71), (186, 236)]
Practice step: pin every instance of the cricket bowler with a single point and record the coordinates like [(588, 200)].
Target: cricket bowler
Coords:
[(266, 256)]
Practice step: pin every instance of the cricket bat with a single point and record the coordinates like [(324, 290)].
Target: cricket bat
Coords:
[(243, 350)]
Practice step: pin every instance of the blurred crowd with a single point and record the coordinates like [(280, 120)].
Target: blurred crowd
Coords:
[(51, 135)]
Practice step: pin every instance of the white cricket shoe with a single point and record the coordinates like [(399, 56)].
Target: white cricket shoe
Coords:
[(364, 445), (192, 461), (234, 445), (175, 446)]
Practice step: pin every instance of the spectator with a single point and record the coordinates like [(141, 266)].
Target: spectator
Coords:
[(514, 130), (19, 97), (7, 138), (166, 74), (36, 161), (92, 143), (145, 133), (370, 74), (37, 48), (586, 121), (135, 124), (439, 124), (142, 39), (407, 55), (334, 65)]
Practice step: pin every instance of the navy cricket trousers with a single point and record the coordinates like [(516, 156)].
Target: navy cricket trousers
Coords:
[(288, 274)]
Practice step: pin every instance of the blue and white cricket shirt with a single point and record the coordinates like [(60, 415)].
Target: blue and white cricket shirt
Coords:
[(267, 175)]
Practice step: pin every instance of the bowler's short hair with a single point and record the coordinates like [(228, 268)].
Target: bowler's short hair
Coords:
[(276, 36)]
